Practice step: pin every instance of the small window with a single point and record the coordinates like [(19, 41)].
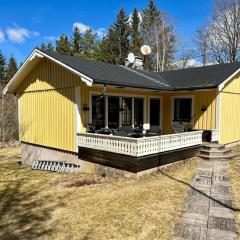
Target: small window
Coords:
[(183, 109)]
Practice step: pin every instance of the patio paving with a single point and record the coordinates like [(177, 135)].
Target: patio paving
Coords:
[(208, 213)]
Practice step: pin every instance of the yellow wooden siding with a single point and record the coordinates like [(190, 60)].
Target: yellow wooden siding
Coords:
[(48, 118), (202, 120), (230, 112), (47, 107)]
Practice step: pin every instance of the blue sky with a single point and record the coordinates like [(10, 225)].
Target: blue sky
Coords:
[(24, 24)]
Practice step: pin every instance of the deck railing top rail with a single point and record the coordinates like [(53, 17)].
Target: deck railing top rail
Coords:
[(138, 147)]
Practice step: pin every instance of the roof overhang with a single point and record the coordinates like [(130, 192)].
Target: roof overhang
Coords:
[(223, 84), (33, 59)]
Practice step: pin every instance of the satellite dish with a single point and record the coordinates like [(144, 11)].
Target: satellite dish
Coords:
[(145, 50), (131, 57)]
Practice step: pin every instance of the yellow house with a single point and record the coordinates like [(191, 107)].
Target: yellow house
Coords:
[(92, 113)]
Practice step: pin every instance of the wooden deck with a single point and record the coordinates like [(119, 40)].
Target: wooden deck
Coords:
[(136, 164)]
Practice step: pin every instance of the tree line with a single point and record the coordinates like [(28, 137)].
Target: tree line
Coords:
[(8, 103), (126, 34)]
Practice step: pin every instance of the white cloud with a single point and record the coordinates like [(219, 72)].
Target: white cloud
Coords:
[(2, 37), (19, 35), (83, 28), (50, 38)]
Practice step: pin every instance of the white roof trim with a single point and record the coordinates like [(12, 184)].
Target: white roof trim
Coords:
[(223, 84), (39, 54)]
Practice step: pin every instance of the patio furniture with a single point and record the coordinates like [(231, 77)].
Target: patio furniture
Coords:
[(178, 127), (135, 135), (124, 131), (154, 130), (91, 128), (105, 131)]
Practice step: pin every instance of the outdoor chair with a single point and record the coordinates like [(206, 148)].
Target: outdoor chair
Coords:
[(153, 131), (91, 128), (178, 127), (124, 131)]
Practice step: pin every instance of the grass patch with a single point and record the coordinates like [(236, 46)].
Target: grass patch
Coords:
[(44, 205), (234, 174)]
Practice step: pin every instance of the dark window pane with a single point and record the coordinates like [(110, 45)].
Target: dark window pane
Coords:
[(138, 112), (154, 112), (98, 112), (126, 111), (183, 109), (113, 112)]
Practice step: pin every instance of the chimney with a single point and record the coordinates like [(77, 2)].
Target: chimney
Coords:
[(137, 64)]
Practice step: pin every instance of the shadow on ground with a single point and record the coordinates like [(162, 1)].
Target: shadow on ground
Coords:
[(24, 207)]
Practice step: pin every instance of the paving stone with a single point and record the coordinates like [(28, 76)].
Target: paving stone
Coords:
[(220, 178), (221, 212), (204, 172), (195, 219), (216, 234), (203, 180), (221, 223), (197, 208), (190, 232), (218, 202), (218, 189)]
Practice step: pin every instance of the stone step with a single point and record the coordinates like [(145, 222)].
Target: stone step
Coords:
[(226, 156), (215, 152), (214, 146)]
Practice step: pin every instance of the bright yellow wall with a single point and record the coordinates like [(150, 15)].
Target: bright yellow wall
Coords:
[(202, 120), (230, 112), (47, 107)]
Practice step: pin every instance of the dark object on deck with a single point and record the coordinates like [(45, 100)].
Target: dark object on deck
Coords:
[(153, 131), (136, 164), (178, 127), (91, 128), (105, 131), (135, 135), (124, 131), (207, 136)]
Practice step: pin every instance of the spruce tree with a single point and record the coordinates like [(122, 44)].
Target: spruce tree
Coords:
[(119, 38), (43, 46), (136, 40), (11, 68), (76, 41), (63, 45), (2, 68), (50, 47)]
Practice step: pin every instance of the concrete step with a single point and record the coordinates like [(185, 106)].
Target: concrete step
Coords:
[(215, 152), (213, 146), (229, 155)]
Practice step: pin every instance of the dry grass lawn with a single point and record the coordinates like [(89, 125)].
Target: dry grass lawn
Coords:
[(234, 174), (43, 205)]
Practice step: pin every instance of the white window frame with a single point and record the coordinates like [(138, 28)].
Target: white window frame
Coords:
[(192, 110), (120, 95)]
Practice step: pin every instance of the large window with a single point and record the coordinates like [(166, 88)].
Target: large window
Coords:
[(126, 110), (138, 112), (98, 111), (113, 112), (183, 109)]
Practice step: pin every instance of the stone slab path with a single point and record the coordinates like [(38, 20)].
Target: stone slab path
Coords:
[(208, 213)]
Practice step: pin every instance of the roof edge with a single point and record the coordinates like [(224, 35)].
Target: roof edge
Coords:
[(37, 53), (224, 83)]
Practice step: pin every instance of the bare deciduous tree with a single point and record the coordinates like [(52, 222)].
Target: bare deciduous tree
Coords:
[(220, 39)]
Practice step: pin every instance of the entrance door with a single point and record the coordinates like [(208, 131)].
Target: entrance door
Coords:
[(155, 114)]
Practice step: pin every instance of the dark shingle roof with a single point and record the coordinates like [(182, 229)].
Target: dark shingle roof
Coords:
[(185, 79)]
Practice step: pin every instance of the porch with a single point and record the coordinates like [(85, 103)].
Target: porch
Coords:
[(138, 154)]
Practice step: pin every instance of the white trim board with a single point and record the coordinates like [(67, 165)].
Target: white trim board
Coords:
[(38, 54), (223, 84)]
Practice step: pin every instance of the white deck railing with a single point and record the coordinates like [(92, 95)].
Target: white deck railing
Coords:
[(215, 135), (138, 147)]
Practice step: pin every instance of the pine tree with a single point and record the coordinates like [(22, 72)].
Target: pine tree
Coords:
[(119, 38), (76, 41), (43, 46), (90, 45), (2, 68), (136, 40), (63, 45), (11, 68), (50, 47)]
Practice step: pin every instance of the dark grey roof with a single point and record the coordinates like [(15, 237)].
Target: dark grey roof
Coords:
[(185, 79)]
